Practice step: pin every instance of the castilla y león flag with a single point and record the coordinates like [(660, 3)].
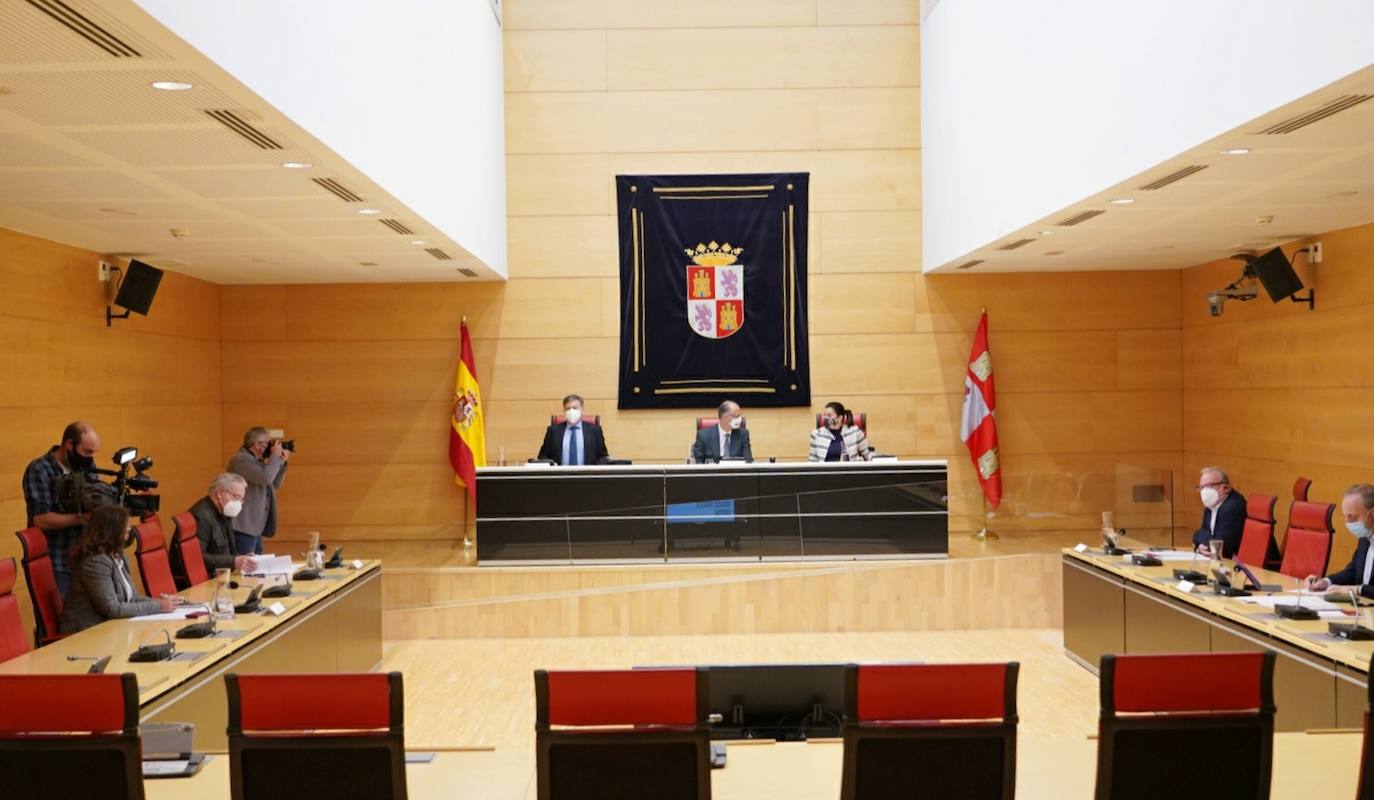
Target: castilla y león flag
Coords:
[(467, 444), (979, 426)]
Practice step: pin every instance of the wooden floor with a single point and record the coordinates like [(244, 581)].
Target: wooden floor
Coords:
[(481, 691)]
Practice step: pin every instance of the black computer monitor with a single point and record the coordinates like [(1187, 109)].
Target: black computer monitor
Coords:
[(1276, 275), (777, 701)]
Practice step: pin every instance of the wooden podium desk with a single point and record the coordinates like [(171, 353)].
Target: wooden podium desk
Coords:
[(330, 625), (1111, 606), (1315, 766)]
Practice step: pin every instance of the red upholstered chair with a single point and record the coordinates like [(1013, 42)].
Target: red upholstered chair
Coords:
[(1307, 544), (38, 574), (1300, 488), (41, 758), (1166, 716), (153, 565), (858, 419), (625, 733), (1257, 546), (704, 423), (316, 736), (188, 563), (938, 730), (13, 642), (557, 419)]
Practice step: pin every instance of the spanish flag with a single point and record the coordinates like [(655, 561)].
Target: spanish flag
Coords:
[(467, 443)]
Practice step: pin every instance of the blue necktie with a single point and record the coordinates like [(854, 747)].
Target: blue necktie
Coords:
[(577, 446)]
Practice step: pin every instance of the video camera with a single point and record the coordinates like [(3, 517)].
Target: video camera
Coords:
[(79, 492)]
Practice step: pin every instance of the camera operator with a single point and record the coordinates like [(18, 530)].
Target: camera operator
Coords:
[(262, 463), (75, 453)]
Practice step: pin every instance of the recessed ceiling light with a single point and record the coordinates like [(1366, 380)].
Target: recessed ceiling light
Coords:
[(1046, 233), (1121, 201), (172, 86), (367, 263), (1235, 151), (369, 211), (297, 164), (418, 241)]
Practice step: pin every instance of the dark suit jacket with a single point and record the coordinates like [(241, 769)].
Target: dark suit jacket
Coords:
[(1353, 574), (1230, 524), (97, 594), (593, 443), (707, 445)]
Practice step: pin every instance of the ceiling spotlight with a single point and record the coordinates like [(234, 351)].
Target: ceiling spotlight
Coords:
[(369, 211), (418, 241), (1235, 151), (1046, 233), (171, 86), (367, 263), (1121, 201), (297, 164)]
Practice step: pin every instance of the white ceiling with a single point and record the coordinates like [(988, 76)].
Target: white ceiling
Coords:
[(92, 156), (1317, 178)]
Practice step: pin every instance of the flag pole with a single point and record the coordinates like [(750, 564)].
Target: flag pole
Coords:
[(983, 534)]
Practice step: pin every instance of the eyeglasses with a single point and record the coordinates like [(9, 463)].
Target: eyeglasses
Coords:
[(1202, 486)]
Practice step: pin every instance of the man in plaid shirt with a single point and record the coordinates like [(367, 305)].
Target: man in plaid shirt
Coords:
[(79, 444)]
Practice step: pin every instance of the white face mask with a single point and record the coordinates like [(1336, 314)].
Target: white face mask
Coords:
[(1210, 497), (232, 508), (572, 415), (735, 422)]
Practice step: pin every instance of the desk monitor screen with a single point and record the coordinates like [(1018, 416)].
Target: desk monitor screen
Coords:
[(777, 701)]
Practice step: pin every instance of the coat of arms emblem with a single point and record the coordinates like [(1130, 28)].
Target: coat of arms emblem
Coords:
[(715, 290)]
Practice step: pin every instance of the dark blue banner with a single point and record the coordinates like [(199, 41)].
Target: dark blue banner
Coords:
[(713, 290)]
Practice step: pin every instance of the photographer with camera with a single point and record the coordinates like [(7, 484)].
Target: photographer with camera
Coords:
[(262, 463), (75, 453)]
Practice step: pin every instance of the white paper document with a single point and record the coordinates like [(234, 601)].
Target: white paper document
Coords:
[(1176, 555), (272, 565), (1314, 602), (153, 768), (172, 616)]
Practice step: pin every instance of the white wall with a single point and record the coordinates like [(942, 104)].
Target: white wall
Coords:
[(1029, 107), (408, 91)]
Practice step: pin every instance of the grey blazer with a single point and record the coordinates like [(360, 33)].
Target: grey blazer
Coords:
[(259, 514), (98, 593), (707, 445)]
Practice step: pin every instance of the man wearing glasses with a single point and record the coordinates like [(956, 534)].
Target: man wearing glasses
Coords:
[(1223, 513)]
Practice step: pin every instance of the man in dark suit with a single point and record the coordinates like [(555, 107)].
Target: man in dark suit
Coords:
[(574, 441), (1358, 507), (1223, 514), (728, 437)]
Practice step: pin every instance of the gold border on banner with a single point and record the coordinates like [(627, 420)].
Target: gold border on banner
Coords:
[(634, 279), (782, 270), (713, 380), (643, 341), (730, 389), (671, 189), (792, 284), (717, 197)]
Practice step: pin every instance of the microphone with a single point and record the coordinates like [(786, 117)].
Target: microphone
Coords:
[(98, 663)]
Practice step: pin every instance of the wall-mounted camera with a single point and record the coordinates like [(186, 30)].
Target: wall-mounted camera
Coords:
[(1273, 271)]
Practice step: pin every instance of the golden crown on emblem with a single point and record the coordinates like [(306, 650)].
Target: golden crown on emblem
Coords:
[(714, 255)]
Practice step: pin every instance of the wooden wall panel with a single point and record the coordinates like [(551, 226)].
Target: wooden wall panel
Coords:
[(152, 382), (1274, 391), (611, 14)]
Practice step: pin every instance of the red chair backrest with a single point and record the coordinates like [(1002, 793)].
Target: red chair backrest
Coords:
[(1259, 529), (13, 642), (153, 565), (618, 697), (704, 423), (187, 545), (558, 419), (68, 704), (1168, 683), (1300, 488), (43, 593), (932, 692), (1307, 544), (330, 702), (858, 419)]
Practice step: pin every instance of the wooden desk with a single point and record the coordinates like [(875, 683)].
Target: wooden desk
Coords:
[(1111, 606), (1324, 766), (330, 625)]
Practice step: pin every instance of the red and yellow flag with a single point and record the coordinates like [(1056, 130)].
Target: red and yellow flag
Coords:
[(978, 428), (467, 443)]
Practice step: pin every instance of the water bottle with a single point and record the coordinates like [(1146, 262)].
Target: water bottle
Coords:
[(501, 456), (222, 603)]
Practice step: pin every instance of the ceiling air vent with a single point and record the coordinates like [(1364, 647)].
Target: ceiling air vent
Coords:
[(1081, 217), (1303, 120), (970, 264), (439, 254), (239, 125), (337, 189), (397, 225), (1175, 177), (467, 272), (1015, 244), (82, 26)]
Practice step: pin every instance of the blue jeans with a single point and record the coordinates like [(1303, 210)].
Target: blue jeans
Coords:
[(247, 544)]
